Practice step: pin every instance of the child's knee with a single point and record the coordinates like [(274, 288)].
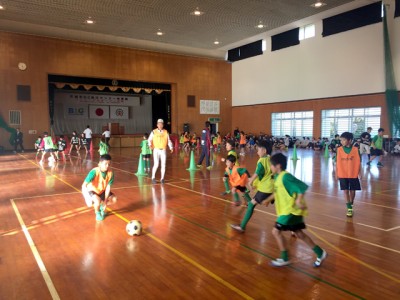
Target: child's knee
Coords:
[(276, 232)]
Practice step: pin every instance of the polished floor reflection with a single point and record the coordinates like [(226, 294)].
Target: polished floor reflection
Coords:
[(52, 247)]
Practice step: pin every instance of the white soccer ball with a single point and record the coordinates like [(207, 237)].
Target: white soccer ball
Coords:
[(134, 227)]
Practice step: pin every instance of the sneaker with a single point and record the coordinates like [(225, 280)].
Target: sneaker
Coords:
[(237, 228), (153, 181), (279, 262), (319, 260), (209, 168), (162, 181), (380, 164), (199, 166), (225, 193), (102, 211), (99, 216), (368, 163), (349, 212)]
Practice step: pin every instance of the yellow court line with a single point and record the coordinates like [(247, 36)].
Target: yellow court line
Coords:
[(356, 259), (308, 225), (191, 261), (188, 259), (36, 254)]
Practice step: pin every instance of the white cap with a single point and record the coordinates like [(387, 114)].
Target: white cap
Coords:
[(160, 121)]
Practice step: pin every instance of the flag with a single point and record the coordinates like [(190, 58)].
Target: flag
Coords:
[(119, 112), (99, 112)]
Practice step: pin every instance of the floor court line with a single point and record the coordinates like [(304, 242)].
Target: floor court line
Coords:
[(177, 252), (312, 226), (189, 260), (397, 280), (357, 201), (35, 252), (266, 255)]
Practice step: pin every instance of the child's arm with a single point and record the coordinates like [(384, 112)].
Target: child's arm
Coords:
[(269, 199), (299, 201)]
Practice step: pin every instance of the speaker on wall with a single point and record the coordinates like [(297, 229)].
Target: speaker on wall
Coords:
[(23, 92), (191, 101)]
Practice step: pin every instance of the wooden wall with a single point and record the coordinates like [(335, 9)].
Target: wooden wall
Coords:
[(205, 78), (257, 118)]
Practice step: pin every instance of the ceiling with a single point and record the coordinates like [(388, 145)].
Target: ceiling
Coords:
[(134, 23)]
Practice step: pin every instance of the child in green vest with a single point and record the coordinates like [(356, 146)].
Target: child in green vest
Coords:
[(103, 146), (261, 180), (290, 208), (377, 148), (146, 152)]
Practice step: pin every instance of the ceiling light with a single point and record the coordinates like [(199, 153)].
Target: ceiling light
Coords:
[(89, 21), (260, 25), (318, 4), (216, 42), (197, 12), (1, 7), (159, 32)]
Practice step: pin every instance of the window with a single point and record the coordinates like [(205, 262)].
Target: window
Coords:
[(355, 120), (14, 117), (306, 32), (297, 123)]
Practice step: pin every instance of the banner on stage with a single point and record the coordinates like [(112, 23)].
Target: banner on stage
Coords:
[(75, 111), (99, 112), (119, 112)]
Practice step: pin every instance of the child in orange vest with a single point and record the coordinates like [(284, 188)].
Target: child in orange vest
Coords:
[(348, 169), (96, 188), (242, 143), (238, 179)]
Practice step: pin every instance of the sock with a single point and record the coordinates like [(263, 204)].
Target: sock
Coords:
[(247, 197), (236, 197), (285, 255), (318, 251), (247, 216), (349, 206), (226, 186)]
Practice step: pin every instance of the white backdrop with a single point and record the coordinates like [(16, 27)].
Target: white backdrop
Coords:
[(72, 111)]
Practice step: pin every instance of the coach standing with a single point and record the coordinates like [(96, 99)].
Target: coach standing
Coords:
[(205, 146), (159, 141)]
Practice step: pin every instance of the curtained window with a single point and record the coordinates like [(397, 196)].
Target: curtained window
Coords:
[(363, 16), (245, 51), (285, 39)]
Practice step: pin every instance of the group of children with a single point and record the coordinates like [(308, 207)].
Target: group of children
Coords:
[(273, 185), (47, 144)]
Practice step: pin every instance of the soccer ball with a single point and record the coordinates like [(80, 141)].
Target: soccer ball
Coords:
[(134, 227)]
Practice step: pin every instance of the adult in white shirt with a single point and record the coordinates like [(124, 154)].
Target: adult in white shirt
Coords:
[(107, 136), (88, 136), (158, 142)]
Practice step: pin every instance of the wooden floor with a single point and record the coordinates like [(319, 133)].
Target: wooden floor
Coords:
[(51, 246)]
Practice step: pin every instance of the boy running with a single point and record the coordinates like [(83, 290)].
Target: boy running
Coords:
[(238, 178), (291, 208), (348, 169), (230, 144), (261, 180), (377, 148), (96, 188)]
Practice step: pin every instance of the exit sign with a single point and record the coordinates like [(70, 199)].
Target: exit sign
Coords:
[(214, 120)]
